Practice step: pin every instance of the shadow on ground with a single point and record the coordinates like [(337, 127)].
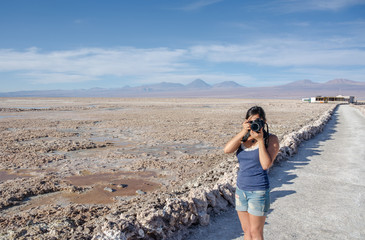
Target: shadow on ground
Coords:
[(282, 174)]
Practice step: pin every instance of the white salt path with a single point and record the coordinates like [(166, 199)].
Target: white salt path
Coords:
[(317, 194)]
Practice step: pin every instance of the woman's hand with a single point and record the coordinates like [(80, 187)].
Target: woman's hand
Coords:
[(258, 136), (246, 126)]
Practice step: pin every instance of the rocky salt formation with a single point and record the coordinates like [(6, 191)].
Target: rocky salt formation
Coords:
[(211, 193), (26, 143), (13, 194)]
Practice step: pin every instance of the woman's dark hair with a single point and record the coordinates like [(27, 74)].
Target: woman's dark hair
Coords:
[(260, 111), (256, 110)]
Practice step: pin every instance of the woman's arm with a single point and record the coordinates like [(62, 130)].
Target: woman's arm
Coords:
[(235, 142), (268, 155)]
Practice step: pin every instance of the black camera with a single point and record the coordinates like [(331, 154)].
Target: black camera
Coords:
[(257, 124)]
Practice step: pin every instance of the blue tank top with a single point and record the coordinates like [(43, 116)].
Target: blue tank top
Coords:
[(251, 176)]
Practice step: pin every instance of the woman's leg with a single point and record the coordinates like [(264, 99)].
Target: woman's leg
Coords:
[(256, 226), (245, 224)]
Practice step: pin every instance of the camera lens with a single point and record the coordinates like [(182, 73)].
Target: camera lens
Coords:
[(257, 124), (255, 127)]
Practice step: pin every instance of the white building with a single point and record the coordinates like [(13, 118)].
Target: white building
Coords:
[(339, 98)]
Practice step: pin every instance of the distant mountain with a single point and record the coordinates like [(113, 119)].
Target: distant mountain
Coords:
[(199, 88), (227, 84), (163, 86), (342, 81), (199, 84), (302, 83), (167, 85)]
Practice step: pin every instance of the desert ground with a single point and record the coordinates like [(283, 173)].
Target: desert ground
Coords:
[(67, 163)]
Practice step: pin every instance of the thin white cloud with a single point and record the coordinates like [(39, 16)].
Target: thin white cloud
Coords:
[(89, 63), (310, 5), (199, 4), (332, 4), (54, 77), (284, 53), (183, 65)]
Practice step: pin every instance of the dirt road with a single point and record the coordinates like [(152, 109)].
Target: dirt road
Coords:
[(317, 194)]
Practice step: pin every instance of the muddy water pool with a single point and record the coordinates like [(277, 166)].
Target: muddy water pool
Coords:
[(9, 175)]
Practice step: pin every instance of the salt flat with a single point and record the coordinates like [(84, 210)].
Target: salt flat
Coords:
[(151, 145)]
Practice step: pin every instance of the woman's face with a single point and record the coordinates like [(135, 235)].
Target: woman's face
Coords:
[(253, 117)]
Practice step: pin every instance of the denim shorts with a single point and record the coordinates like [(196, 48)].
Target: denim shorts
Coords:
[(254, 202)]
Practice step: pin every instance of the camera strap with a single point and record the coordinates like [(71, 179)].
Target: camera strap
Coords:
[(244, 139)]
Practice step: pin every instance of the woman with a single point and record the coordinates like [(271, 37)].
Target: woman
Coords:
[(256, 151)]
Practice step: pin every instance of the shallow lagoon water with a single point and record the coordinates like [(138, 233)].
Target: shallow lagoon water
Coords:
[(8, 116), (6, 175)]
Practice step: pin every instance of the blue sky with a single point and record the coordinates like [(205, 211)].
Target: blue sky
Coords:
[(69, 44)]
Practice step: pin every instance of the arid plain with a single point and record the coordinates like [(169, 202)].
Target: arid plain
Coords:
[(61, 153)]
